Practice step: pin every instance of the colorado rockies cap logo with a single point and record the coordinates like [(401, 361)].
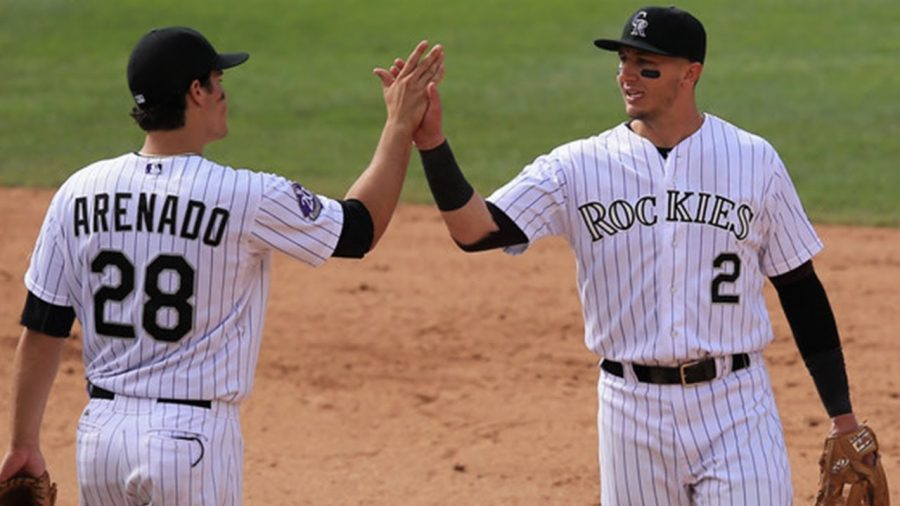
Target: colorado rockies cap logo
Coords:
[(639, 24), (310, 205)]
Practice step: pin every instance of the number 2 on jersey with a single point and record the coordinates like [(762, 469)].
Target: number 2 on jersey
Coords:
[(157, 299), (730, 276)]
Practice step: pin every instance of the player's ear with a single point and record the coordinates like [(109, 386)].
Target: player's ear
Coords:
[(692, 73), (195, 92)]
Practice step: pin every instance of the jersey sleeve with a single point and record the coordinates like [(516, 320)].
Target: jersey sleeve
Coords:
[(297, 222), (535, 200), (791, 239), (45, 277)]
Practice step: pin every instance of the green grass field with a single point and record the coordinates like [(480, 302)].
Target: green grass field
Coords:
[(818, 78)]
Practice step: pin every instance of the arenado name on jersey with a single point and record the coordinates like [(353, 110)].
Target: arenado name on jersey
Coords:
[(125, 212)]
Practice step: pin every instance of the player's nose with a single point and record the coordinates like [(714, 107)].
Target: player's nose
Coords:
[(628, 71)]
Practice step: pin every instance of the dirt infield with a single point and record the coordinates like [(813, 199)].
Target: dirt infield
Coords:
[(423, 375)]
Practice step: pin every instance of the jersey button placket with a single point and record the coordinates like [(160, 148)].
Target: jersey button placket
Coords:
[(666, 279), (676, 276)]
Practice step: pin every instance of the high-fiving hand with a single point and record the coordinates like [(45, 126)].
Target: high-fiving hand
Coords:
[(430, 132), (408, 86)]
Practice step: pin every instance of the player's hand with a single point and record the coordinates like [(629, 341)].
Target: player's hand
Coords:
[(404, 87), (847, 424), (22, 463), (844, 424), (430, 133)]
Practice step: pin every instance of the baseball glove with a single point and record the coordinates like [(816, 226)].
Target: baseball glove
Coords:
[(852, 460), (28, 491)]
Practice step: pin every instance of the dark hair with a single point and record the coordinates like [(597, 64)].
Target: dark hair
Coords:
[(167, 114)]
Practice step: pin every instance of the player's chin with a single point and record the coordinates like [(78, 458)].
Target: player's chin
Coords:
[(630, 107), (634, 112)]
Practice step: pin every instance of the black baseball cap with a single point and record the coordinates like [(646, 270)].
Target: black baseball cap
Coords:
[(668, 31), (166, 60)]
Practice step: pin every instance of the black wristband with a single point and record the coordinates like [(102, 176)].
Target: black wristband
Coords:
[(447, 183), (830, 376)]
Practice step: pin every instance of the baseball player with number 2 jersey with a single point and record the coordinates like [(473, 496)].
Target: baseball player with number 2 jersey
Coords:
[(164, 256), (676, 219)]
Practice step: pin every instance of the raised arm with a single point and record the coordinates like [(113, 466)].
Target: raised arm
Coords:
[(473, 223), (379, 186)]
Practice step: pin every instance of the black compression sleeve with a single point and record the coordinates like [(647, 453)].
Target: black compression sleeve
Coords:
[(447, 183), (809, 314), (508, 235), (40, 316), (830, 376), (358, 231)]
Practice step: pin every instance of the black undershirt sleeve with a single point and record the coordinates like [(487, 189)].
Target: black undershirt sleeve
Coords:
[(508, 235), (46, 318), (809, 314), (358, 231)]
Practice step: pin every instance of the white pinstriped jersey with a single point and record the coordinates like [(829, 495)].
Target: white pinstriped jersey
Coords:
[(166, 262), (672, 253)]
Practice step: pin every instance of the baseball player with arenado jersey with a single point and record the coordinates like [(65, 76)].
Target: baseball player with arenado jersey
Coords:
[(676, 219), (164, 256)]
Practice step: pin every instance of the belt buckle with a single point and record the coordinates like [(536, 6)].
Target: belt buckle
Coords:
[(682, 367)]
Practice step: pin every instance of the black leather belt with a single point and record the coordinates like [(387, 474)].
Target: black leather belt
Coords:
[(95, 392), (689, 373)]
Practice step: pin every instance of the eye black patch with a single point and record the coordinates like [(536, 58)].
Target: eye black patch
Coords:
[(650, 74)]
